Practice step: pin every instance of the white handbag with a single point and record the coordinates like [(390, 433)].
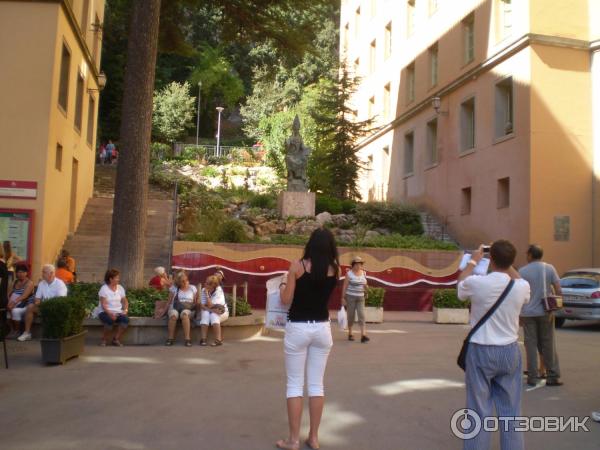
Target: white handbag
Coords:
[(342, 318)]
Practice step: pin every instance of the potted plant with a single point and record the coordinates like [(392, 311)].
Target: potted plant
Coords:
[(63, 336), (448, 308), (374, 304)]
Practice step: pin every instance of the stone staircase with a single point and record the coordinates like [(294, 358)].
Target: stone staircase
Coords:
[(434, 228), (89, 245)]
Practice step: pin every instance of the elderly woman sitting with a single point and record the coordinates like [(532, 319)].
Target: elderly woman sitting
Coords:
[(183, 299), (160, 280), (115, 307), (213, 310)]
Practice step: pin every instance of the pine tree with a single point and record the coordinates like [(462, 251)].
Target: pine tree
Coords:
[(338, 134)]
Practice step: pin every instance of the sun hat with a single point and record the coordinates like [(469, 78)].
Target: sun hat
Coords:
[(357, 260)]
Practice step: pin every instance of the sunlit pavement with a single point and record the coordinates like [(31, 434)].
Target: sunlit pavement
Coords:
[(397, 392)]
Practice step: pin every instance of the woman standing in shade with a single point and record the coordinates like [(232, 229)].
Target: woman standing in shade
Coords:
[(308, 340), (353, 297)]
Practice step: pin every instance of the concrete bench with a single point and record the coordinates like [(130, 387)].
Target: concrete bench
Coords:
[(149, 331)]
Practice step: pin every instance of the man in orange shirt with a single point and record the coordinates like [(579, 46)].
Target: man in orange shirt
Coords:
[(63, 273)]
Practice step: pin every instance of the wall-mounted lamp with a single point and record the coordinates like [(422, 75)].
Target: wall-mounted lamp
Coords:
[(101, 83), (436, 103)]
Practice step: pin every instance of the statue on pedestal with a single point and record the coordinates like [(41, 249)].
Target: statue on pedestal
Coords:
[(296, 159)]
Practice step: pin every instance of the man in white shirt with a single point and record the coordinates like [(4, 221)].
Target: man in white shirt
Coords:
[(49, 287), (493, 362)]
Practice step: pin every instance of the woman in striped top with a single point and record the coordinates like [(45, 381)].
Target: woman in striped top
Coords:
[(353, 297)]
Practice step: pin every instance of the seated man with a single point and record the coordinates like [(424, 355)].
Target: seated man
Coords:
[(49, 287), (63, 273)]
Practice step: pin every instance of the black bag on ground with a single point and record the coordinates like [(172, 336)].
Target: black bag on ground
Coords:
[(462, 356)]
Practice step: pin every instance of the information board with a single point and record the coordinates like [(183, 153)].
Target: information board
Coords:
[(16, 226)]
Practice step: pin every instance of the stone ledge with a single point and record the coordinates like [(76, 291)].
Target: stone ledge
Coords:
[(150, 331)]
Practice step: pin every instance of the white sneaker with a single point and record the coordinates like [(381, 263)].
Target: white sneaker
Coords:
[(24, 337), (596, 416)]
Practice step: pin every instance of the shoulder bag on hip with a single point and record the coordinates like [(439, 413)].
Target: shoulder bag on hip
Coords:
[(462, 357), (551, 302)]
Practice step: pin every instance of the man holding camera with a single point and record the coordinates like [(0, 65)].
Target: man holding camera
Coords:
[(538, 324), (493, 361)]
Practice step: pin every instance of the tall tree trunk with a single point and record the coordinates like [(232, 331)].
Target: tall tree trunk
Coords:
[(127, 239)]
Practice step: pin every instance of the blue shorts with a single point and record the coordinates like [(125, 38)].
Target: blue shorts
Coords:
[(121, 320)]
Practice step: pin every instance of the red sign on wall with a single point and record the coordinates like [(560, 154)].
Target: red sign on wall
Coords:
[(18, 189)]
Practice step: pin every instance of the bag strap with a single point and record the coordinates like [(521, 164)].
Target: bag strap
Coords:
[(489, 313), (544, 276)]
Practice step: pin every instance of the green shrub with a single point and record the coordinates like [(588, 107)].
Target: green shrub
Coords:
[(396, 240), (210, 172), (141, 301), (217, 160), (288, 239), (348, 206), (242, 307), (403, 219), (331, 205), (375, 296), (193, 153), (448, 298), (264, 201), (232, 231), (159, 151), (62, 317)]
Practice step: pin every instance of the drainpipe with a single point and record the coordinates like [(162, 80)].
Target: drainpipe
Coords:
[(595, 72)]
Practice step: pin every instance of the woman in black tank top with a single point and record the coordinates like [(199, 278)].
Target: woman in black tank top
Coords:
[(308, 340)]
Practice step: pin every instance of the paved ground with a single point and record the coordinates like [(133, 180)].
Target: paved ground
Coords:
[(397, 392)]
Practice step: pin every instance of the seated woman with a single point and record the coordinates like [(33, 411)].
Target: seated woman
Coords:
[(213, 310), (63, 273), (160, 280), (183, 299), (20, 295), (115, 307)]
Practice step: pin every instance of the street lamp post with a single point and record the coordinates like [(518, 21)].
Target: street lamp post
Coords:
[(220, 109), (198, 118)]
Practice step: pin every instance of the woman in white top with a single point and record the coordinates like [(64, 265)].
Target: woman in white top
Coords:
[(115, 307), (183, 299), (353, 297), (213, 310)]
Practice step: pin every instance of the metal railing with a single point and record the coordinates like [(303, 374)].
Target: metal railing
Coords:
[(211, 151), (173, 223)]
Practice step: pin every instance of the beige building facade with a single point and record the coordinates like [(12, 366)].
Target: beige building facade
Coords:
[(489, 113), (49, 89)]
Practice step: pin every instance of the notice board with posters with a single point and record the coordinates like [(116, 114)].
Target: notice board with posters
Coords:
[(16, 226)]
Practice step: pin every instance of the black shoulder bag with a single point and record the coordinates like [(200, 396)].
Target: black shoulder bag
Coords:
[(462, 357)]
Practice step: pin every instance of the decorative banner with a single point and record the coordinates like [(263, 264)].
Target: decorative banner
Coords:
[(18, 189), (16, 226)]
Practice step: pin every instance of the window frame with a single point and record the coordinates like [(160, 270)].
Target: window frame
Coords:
[(410, 83), (411, 15), (432, 150), (79, 100), (64, 108), (464, 150), (511, 109), (405, 172), (503, 193), (434, 50), (468, 36)]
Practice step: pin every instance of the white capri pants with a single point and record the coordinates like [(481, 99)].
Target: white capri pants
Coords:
[(211, 318), (307, 346), (16, 314)]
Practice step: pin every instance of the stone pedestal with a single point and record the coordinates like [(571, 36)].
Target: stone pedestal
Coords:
[(296, 204)]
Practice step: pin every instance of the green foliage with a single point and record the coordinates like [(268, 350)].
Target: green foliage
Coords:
[(403, 219), (288, 239), (265, 201), (62, 317), (232, 230), (334, 205), (159, 151), (141, 301), (210, 171), (407, 242), (338, 134), (173, 111), (193, 153), (448, 298), (374, 297), (242, 307)]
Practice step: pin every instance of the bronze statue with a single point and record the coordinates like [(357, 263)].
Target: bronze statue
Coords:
[(296, 158)]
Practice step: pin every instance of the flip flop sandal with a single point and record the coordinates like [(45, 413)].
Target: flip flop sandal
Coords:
[(216, 343)]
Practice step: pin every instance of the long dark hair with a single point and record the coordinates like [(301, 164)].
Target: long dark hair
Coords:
[(322, 252)]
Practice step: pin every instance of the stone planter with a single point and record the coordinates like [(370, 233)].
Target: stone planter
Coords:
[(451, 315), (373, 314), (58, 351)]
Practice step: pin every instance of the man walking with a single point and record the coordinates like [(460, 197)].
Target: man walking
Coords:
[(493, 362), (538, 325)]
